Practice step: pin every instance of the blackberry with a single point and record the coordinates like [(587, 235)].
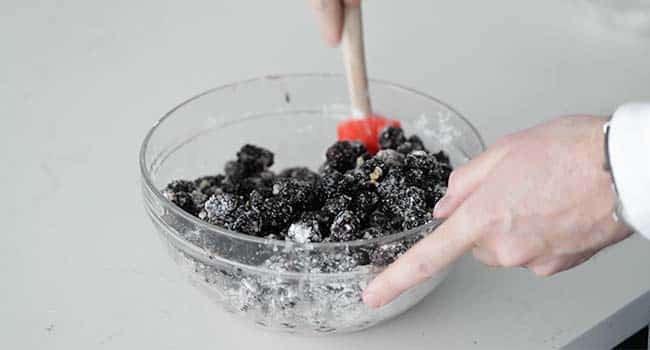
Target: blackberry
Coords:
[(299, 194), (352, 182), (342, 156), (209, 185), (361, 255), (372, 169), (365, 202), (183, 193), (276, 214), (180, 186), (415, 217), (185, 201), (370, 233), (412, 198), (330, 184), (421, 160), (413, 143), (248, 221), (345, 227), (220, 207), (234, 170), (323, 219), (441, 157), (301, 173), (254, 159), (360, 150), (391, 137), (390, 158), (385, 255), (335, 205), (379, 218)]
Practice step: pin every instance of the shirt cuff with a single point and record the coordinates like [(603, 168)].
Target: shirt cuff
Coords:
[(629, 157)]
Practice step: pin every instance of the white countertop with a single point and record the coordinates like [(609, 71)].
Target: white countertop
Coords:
[(81, 82)]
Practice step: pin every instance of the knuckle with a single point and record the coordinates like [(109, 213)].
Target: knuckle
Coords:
[(494, 221), (484, 257), (511, 253), (543, 270)]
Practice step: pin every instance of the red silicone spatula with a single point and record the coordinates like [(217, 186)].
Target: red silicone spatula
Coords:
[(363, 125)]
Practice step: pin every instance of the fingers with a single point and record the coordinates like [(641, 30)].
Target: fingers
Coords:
[(330, 18), (486, 256), (432, 254), (464, 180), (549, 266)]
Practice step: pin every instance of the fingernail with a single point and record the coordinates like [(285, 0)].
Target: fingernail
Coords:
[(371, 300), (442, 207)]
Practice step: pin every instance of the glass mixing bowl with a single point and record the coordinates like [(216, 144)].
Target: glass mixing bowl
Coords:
[(274, 283)]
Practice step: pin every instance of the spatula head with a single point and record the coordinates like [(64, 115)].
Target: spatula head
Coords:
[(365, 130)]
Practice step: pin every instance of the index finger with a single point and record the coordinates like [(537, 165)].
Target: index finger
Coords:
[(429, 256)]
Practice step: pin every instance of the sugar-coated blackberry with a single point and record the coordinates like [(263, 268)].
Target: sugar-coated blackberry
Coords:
[(209, 185), (391, 137), (421, 160), (180, 186), (255, 159), (185, 201), (276, 213), (390, 157), (359, 149), (301, 173), (372, 169), (335, 205), (301, 195), (441, 157), (248, 221), (220, 207), (184, 194), (342, 155), (331, 183), (365, 203), (345, 226), (379, 218), (415, 217), (412, 198), (386, 254), (323, 219), (413, 143), (370, 233)]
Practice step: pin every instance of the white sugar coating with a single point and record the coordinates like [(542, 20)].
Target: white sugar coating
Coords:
[(439, 129), (300, 232)]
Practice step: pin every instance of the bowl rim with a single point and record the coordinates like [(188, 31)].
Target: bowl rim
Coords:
[(203, 225)]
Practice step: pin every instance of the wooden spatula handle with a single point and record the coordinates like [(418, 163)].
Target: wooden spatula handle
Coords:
[(354, 61)]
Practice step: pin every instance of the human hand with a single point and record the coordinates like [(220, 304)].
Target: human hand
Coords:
[(539, 199), (330, 16)]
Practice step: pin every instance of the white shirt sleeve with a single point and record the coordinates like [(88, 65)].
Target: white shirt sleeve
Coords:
[(629, 157)]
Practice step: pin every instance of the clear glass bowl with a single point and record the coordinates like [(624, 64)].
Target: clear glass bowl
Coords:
[(275, 283)]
